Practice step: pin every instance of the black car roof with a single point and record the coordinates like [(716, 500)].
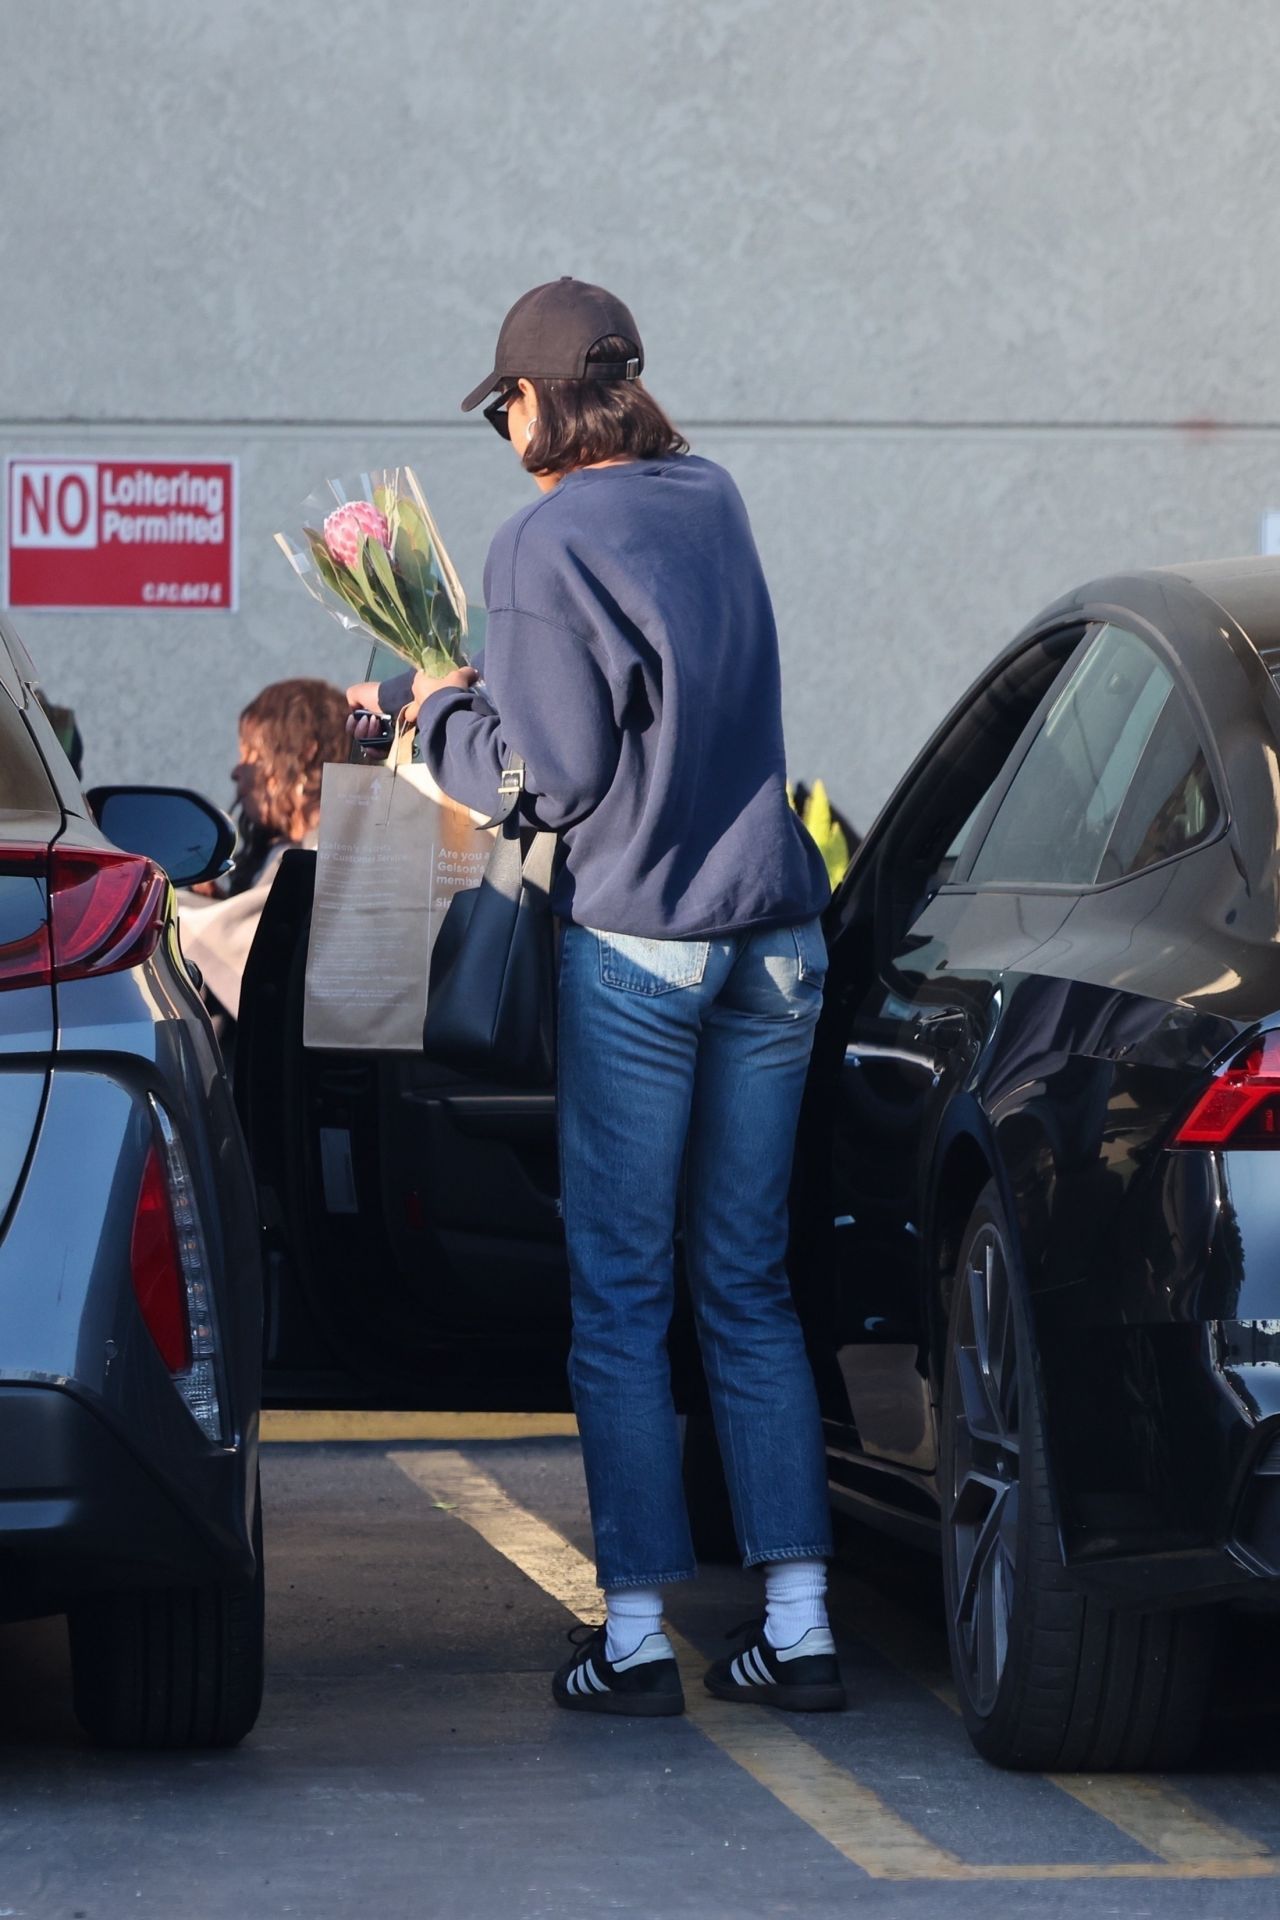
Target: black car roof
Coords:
[(1246, 588)]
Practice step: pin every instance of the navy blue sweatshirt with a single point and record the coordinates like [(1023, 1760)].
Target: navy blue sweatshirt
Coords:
[(631, 659)]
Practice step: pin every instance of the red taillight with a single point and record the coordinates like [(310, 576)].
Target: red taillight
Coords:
[(106, 912), (25, 958), (158, 1279), (1241, 1106)]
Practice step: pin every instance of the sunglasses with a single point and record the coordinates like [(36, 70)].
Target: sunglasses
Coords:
[(496, 412)]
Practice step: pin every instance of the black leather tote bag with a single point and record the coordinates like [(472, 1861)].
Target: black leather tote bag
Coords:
[(491, 995)]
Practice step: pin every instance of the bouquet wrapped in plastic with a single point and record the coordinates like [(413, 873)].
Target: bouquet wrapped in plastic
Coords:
[(372, 556)]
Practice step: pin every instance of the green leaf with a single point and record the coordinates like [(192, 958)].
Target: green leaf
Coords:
[(375, 618), (338, 578), (416, 554), (383, 591), (415, 583), (343, 582), (426, 600), (325, 564), (377, 566), (411, 522)]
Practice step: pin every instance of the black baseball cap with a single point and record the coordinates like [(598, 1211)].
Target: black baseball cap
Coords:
[(550, 331)]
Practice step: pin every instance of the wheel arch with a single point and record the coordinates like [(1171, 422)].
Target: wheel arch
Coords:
[(1020, 1157), (1049, 1677), (965, 1165), (1018, 1153)]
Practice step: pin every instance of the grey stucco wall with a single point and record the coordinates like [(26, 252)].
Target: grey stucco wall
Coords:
[(974, 301)]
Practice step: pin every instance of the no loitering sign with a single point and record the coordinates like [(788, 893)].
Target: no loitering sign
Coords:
[(120, 533)]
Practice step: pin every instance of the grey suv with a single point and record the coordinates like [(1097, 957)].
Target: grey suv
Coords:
[(130, 1284)]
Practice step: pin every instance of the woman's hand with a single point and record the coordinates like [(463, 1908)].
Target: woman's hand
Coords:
[(424, 686), (365, 693)]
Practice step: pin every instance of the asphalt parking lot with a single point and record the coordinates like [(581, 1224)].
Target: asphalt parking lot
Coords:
[(409, 1761)]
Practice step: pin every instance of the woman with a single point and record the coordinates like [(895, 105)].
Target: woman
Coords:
[(631, 659), (287, 734)]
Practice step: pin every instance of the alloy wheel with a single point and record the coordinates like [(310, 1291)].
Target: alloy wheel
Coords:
[(982, 1539)]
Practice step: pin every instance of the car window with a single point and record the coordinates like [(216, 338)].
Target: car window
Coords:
[(1171, 803), (966, 761), (963, 831), (1114, 780)]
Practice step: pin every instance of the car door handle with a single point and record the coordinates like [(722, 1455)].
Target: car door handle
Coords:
[(944, 1029)]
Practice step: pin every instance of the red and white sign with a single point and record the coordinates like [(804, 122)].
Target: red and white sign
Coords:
[(120, 533)]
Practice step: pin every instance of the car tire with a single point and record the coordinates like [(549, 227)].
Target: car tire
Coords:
[(1048, 1678), (170, 1667), (706, 1494)]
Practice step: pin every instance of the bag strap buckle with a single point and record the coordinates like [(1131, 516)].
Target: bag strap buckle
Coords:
[(510, 787)]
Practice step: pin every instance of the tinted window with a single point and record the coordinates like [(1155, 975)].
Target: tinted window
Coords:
[(967, 760), (1171, 803), (1114, 780)]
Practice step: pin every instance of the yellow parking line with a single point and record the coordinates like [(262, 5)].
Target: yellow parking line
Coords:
[(1163, 1820), (342, 1423), (1158, 1817), (851, 1817)]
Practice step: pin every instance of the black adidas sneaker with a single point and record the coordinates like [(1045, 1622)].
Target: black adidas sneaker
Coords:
[(646, 1682), (804, 1678)]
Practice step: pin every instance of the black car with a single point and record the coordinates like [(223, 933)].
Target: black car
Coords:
[(1045, 1219), (130, 1270), (1036, 1228)]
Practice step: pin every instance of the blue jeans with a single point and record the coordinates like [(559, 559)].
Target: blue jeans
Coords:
[(693, 1054)]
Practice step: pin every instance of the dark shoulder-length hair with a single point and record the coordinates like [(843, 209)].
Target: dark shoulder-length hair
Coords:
[(582, 421)]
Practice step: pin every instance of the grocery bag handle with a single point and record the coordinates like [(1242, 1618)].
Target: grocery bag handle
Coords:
[(400, 752), (398, 755)]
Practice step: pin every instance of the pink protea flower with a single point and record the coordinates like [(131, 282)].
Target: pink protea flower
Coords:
[(344, 526)]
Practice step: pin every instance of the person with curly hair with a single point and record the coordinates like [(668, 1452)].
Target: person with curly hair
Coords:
[(288, 733)]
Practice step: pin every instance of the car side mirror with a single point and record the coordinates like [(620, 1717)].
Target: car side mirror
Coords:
[(182, 832)]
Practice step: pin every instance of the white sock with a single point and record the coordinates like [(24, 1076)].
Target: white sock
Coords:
[(795, 1599), (632, 1614)]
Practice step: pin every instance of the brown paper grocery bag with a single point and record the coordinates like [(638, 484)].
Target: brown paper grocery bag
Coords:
[(393, 852)]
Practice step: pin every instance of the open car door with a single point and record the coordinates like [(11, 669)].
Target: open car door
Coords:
[(414, 1253)]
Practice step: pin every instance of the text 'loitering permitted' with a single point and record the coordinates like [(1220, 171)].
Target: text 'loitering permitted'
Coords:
[(120, 533)]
